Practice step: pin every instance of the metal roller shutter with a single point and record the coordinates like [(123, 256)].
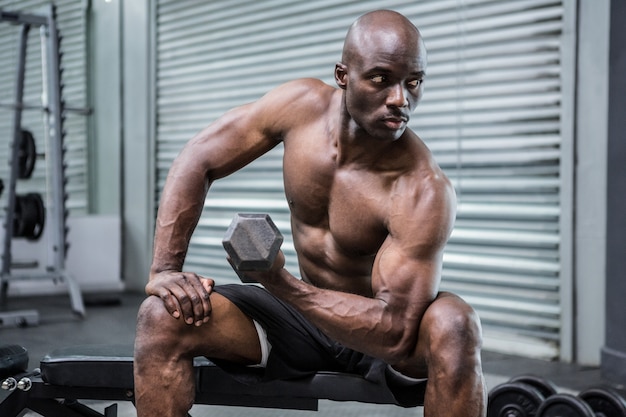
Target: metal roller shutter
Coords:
[(72, 23), (491, 114)]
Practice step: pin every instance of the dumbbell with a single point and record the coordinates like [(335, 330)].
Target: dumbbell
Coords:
[(604, 401), (521, 396), (252, 242), (592, 402), (13, 364)]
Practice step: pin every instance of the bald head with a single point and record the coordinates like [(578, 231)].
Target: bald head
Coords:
[(382, 73), (380, 29)]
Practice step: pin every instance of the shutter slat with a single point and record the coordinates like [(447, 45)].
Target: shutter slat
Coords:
[(491, 115)]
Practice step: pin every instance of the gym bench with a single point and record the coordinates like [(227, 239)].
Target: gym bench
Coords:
[(105, 372)]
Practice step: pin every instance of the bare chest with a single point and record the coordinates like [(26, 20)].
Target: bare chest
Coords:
[(345, 205)]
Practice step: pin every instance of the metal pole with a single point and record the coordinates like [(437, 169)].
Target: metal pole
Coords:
[(56, 155), (17, 134), (55, 149), (84, 111), (22, 18), (54, 109)]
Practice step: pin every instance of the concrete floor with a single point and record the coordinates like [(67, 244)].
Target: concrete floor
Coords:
[(111, 320)]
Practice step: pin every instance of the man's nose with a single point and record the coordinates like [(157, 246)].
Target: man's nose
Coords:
[(398, 96)]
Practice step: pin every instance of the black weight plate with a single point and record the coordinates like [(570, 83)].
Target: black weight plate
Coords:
[(29, 216), (514, 399), (35, 201), (18, 224), (604, 402), (545, 387), (564, 405), (27, 155)]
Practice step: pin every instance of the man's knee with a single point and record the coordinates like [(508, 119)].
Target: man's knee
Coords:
[(453, 326), (157, 329), (152, 313)]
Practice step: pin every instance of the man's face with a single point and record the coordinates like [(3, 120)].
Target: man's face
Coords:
[(383, 83)]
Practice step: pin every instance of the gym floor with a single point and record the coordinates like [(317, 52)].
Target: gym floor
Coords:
[(110, 319)]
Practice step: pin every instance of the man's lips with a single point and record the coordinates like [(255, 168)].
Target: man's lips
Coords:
[(395, 122)]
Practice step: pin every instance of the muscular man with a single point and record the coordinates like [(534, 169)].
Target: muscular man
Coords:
[(370, 213)]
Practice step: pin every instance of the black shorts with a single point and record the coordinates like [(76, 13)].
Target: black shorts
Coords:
[(298, 348)]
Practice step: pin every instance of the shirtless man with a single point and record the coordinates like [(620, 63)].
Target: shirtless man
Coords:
[(370, 213)]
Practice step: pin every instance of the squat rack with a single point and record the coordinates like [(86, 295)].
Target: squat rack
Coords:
[(54, 110)]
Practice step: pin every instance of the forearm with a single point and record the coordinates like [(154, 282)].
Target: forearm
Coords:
[(368, 325), (180, 208)]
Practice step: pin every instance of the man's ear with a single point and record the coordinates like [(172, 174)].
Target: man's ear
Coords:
[(341, 75)]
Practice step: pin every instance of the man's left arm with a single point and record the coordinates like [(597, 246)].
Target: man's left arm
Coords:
[(405, 280)]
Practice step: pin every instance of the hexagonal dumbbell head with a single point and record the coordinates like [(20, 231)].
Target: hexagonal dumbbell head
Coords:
[(252, 242)]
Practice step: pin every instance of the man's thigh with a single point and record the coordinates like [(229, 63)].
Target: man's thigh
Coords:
[(229, 334), (296, 346)]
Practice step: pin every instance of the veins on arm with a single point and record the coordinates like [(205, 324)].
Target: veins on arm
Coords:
[(235, 139), (405, 280)]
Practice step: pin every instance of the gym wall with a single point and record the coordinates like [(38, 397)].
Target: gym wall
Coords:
[(492, 113), (498, 112)]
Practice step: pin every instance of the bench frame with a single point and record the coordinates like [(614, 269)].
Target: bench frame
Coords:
[(105, 372)]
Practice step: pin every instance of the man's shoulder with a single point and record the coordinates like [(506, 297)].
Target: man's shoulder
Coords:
[(305, 92), (424, 175), (426, 199), (311, 85), (296, 103)]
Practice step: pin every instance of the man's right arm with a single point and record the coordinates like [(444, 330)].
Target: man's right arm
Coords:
[(218, 150), (231, 142)]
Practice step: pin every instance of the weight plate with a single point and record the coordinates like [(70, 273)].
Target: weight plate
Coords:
[(29, 216), (545, 387), (514, 399), (604, 402), (18, 224), (564, 405), (36, 201), (27, 155)]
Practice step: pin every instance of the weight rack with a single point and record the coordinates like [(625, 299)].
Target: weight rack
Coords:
[(54, 109)]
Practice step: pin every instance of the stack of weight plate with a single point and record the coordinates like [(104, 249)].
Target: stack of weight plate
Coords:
[(533, 396)]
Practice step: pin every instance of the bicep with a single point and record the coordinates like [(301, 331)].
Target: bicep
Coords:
[(405, 282), (407, 270)]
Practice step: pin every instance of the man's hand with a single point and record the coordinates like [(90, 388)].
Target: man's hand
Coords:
[(270, 277), (184, 294)]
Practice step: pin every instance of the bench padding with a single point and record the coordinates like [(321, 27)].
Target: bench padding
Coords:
[(111, 366)]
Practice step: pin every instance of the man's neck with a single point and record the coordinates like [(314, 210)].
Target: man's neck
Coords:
[(357, 148)]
